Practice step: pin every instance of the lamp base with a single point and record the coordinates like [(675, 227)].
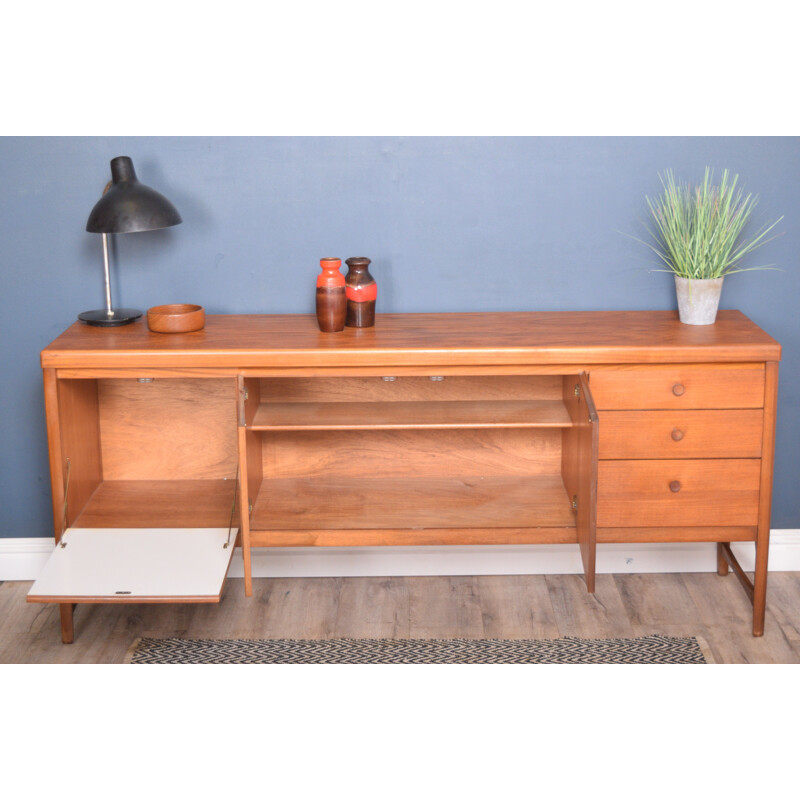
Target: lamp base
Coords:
[(105, 319)]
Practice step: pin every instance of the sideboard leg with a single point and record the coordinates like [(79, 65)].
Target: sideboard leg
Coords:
[(722, 563), (248, 575), (67, 628), (760, 586), (765, 497)]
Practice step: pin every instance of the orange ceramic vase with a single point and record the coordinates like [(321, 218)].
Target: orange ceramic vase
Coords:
[(331, 296)]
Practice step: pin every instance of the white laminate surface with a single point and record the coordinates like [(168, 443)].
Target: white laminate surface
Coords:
[(136, 564)]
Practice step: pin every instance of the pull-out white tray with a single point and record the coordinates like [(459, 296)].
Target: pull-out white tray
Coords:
[(136, 565)]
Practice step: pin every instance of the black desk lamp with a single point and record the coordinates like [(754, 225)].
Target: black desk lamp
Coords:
[(126, 206)]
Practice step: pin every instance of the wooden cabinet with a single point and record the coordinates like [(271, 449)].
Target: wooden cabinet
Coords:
[(515, 428), (418, 459), (143, 475)]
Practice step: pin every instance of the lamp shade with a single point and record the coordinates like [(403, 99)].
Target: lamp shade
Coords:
[(129, 206)]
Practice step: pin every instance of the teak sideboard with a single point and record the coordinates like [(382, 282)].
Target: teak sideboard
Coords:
[(168, 450)]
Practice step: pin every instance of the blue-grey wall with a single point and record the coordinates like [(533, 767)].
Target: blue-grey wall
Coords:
[(451, 224)]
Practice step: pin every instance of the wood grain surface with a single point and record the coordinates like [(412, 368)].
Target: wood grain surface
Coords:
[(710, 492), (160, 504), (413, 503), (172, 427), (579, 467), (80, 452), (412, 453), (679, 386), (294, 340), (765, 496), (681, 434), (410, 388), (407, 537), (415, 415)]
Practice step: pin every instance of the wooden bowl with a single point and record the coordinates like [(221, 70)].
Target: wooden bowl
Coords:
[(176, 318)]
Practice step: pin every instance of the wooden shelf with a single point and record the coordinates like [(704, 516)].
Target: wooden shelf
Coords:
[(159, 504), (412, 503), (401, 414)]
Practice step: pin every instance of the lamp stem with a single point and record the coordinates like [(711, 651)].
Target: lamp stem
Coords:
[(107, 276)]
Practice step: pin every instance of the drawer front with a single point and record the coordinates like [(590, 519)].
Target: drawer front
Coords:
[(678, 386), (698, 492), (681, 434)]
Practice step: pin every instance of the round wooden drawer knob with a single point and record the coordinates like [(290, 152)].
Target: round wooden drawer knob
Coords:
[(675, 486), (677, 434), (678, 389)]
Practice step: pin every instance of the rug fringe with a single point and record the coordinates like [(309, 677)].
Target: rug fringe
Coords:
[(131, 650), (705, 649)]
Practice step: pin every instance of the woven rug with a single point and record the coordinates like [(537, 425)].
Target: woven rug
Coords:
[(643, 650)]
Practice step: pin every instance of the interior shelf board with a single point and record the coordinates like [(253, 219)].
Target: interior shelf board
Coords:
[(403, 414), (160, 504), (412, 503)]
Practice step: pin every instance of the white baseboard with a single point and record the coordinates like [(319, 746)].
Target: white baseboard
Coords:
[(23, 559)]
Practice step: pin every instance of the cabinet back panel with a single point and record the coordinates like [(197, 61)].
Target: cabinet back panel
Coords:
[(453, 387), (172, 427), (408, 453)]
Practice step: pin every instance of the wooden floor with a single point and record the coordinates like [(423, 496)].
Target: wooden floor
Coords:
[(515, 607)]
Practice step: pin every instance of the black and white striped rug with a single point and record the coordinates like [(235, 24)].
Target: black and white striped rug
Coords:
[(643, 650)]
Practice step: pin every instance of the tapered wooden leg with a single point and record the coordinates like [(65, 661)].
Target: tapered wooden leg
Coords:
[(765, 506), (248, 575), (67, 629), (760, 585), (722, 563)]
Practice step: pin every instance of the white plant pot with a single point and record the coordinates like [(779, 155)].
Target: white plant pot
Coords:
[(698, 300)]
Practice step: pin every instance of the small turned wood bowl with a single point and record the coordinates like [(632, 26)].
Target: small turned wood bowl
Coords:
[(176, 318)]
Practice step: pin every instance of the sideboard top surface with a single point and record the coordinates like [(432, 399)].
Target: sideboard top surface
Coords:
[(250, 341)]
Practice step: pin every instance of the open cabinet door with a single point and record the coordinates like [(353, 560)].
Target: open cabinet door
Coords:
[(136, 565), (579, 467)]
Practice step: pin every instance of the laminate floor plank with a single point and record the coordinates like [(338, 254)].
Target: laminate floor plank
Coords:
[(18, 616), (296, 608), (697, 604), (516, 607), (16, 648), (783, 604), (659, 603), (723, 607), (601, 615), (444, 607), (232, 618), (104, 638), (371, 608)]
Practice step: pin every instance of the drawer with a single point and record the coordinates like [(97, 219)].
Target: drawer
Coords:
[(679, 386), (681, 434), (698, 492)]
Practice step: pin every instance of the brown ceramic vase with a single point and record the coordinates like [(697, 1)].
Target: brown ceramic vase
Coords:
[(362, 292)]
